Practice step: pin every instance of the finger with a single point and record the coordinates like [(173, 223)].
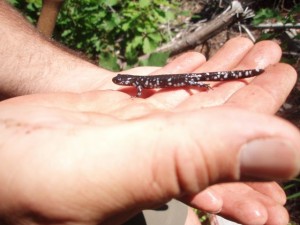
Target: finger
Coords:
[(226, 198), (185, 63), (229, 56), (270, 189), (189, 158), (253, 207), (245, 136), (192, 218), (143, 70), (241, 204), (207, 201), (215, 145), (259, 55), (266, 93), (262, 55)]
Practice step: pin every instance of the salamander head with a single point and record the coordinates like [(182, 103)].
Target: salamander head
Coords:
[(124, 79)]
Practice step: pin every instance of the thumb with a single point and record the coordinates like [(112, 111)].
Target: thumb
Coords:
[(213, 146)]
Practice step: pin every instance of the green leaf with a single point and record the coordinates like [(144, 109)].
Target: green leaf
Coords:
[(160, 15), (294, 196), (155, 37), (140, 29), (264, 14), (266, 36), (95, 27), (109, 61), (138, 40), (170, 15), (126, 26), (111, 2), (148, 45), (156, 59), (131, 54), (144, 3), (66, 33), (108, 25)]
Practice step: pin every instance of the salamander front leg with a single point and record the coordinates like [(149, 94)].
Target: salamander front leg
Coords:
[(139, 90)]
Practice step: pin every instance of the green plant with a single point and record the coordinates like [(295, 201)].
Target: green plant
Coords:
[(292, 190), (280, 19), (266, 13), (293, 184), (270, 13), (30, 8), (113, 32)]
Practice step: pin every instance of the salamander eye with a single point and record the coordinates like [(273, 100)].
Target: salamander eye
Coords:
[(116, 79)]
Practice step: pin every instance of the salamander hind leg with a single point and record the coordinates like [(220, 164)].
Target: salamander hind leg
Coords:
[(204, 85), (200, 84)]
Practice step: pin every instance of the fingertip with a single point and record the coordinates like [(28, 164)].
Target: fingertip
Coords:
[(267, 92), (193, 54), (277, 215), (208, 201), (247, 212), (261, 55), (271, 45), (269, 159), (276, 82), (228, 57), (241, 40), (283, 69), (186, 62), (270, 189)]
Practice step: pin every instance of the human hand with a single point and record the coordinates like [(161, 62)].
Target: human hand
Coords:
[(132, 153), (260, 201)]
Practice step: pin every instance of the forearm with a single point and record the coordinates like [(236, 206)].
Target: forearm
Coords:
[(30, 63)]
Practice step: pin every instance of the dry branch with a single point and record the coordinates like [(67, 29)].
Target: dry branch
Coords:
[(47, 19), (209, 29)]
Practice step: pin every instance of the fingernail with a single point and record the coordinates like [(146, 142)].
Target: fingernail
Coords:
[(269, 159)]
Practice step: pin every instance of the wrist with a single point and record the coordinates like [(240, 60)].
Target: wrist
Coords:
[(69, 73), (32, 64)]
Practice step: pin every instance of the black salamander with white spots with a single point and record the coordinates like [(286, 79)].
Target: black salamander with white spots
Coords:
[(181, 80)]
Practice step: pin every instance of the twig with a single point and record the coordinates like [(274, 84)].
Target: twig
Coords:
[(296, 54), (250, 35), (276, 26), (201, 35)]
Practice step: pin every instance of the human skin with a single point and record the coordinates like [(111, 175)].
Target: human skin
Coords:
[(98, 166), (65, 72)]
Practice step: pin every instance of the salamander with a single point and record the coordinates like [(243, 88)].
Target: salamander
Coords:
[(181, 80)]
